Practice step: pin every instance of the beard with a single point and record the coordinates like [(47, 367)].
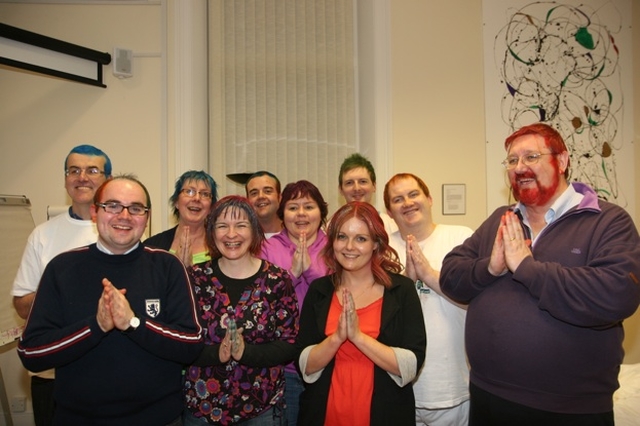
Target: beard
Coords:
[(535, 196)]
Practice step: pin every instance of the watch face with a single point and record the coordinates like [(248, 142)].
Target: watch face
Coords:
[(134, 322)]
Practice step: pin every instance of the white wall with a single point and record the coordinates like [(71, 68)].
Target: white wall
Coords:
[(436, 103), (632, 325), (438, 99)]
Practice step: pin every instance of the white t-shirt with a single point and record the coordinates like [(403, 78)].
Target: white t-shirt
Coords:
[(45, 242), (389, 224), (444, 379)]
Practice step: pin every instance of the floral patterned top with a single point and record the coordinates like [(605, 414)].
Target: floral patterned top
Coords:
[(225, 393)]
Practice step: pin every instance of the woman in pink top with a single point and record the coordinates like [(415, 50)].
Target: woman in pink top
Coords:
[(297, 249)]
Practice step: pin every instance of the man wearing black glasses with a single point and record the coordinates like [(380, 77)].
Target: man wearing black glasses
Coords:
[(549, 282), (116, 319), (85, 168)]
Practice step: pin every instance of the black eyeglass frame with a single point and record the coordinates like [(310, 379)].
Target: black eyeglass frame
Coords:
[(121, 207)]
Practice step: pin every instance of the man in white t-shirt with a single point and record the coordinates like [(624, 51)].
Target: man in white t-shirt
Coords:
[(357, 182), (85, 169), (264, 194), (441, 389)]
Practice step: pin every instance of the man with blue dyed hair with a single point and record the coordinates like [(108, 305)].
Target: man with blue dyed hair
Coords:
[(85, 169), (91, 151)]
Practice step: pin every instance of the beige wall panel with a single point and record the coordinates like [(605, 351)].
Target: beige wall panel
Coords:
[(438, 100)]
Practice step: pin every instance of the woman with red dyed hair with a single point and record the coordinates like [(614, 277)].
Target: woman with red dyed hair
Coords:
[(362, 335)]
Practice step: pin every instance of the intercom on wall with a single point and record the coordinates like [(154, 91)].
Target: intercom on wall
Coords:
[(122, 63)]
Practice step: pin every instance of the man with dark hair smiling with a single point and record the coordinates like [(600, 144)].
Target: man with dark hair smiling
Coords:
[(549, 282), (116, 319), (263, 193)]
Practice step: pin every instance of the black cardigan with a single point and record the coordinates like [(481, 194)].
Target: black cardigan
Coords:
[(163, 240), (402, 325)]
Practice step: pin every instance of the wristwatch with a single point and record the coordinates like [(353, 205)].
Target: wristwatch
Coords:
[(422, 287), (134, 323)]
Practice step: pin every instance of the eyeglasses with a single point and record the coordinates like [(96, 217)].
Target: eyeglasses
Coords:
[(89, 171), (190, 192), (529, 159), (117, 208)]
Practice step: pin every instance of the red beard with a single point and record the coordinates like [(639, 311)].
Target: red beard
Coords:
[(536, 196)]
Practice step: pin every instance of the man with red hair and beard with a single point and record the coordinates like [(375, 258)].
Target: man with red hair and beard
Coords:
[(548, 282)]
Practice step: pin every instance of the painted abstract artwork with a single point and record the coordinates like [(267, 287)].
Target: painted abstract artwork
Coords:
[(567, 64)]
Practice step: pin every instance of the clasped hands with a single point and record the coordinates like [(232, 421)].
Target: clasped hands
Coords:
[(418, 267), (232, 345), (510, 246), (114, 310), (301, 260), (348, 322), (184, 246)]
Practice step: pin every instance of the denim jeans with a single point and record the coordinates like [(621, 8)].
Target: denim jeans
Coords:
[(274, 416), (293, 387)]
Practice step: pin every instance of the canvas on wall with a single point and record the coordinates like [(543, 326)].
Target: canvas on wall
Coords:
[(567, 63)]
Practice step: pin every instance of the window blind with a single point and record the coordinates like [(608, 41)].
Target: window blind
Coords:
[(283, 90)]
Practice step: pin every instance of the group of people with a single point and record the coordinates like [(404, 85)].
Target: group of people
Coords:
[(270, 312)]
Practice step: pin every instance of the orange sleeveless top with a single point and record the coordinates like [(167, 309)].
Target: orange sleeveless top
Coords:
[(351, 388)]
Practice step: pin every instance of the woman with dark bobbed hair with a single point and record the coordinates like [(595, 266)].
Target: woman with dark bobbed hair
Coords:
[(297, 249), (195, 192)]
